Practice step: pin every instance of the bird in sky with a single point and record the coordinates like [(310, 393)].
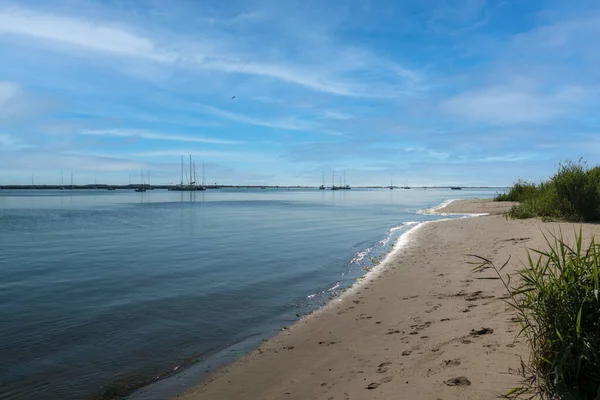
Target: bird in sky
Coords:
[(232, 97)]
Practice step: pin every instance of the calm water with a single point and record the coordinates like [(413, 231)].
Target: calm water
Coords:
[(101, 292)]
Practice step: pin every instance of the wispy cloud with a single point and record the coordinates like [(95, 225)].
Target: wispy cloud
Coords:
[(9, 142), (10, 99), (337, 115), (118, 39), (8, 90), (237, 156), (513, 105), (292, 124), (141, 134), (78, 32)]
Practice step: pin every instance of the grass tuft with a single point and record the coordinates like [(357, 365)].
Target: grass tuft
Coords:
[(572, 194), (557, 301)]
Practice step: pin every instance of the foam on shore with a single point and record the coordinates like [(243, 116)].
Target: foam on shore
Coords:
[(402, 243)]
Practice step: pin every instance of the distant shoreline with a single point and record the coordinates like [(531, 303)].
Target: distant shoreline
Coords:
[(134, 186)]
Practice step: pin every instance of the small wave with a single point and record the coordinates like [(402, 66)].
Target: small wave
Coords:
[(434, 210), (331, 289), (358, 257)]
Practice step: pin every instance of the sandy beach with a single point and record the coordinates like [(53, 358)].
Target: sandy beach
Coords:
[(423, 326)]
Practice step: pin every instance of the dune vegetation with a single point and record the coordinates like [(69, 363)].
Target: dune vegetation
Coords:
[(571, 194), (558, 306)]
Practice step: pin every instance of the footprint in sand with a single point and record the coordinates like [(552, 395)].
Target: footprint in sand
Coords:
[(458, 381), (327, 343), (492, 347), (419, 327), (482, 331), (383, 367), (434, 308), (451, 363), (406, 353)]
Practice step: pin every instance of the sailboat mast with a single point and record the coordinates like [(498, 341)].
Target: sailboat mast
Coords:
[(190, 169), (182, 170), (203, 175), (333, 178), (62, 181)]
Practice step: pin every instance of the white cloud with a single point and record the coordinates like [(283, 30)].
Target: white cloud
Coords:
[(78, 32), (9, 142), (513, 105), (8, 91), (135, 133), (337, 115), (236, 156), (292, 124), (16, 103), (11, 99), (212, 52)]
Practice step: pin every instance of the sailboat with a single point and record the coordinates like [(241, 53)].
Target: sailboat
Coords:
[(322, 187), (191, 186), (143, 187), (391, 183), (341, 186), (406, 185), (149, 185)]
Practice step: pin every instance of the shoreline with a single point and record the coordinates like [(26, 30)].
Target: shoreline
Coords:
[(299, 352), (210, 368), (402, 241)]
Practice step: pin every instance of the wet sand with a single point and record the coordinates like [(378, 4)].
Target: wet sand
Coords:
[(423, 326)]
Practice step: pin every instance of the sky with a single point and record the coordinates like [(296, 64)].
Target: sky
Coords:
[(281, 92)]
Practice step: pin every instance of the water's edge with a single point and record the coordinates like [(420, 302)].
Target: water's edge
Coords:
[(184, 377)]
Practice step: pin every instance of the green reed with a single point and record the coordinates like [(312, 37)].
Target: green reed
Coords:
[(558, 307)]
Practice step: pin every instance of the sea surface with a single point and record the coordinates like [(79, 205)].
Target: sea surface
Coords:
[(103, 293)]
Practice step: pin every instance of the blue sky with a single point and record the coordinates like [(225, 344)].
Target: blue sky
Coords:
[(468, 92)]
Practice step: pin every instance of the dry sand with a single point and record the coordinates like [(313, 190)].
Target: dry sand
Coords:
[(408, 330)]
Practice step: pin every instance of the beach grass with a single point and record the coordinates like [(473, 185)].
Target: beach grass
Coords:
[(571, 194), (558, 306)]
